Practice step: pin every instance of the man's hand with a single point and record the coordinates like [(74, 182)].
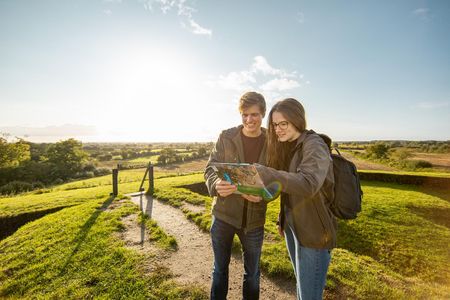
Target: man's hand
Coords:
[(224, 188), (252, 198)]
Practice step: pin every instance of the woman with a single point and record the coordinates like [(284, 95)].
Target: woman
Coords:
[(301, 161)]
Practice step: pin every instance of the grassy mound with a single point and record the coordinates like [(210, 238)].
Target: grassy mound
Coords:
[(396, 248), (75, 253)]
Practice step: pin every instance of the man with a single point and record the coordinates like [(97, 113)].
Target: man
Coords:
[(232, 214)]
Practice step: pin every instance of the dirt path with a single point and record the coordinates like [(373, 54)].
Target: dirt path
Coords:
[(192, 262)]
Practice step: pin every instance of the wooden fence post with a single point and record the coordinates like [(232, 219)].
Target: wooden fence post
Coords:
[(115, 175), (151, 185)]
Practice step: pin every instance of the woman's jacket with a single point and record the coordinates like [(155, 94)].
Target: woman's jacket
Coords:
[(309, 185)]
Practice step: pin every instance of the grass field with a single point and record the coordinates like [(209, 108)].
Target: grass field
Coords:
[(76, 254), (153, 159), (439, 160), (396, 249)]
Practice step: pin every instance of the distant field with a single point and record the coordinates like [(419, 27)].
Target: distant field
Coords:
[(439, 160), (153, 159), (197, 165), (362, 164)]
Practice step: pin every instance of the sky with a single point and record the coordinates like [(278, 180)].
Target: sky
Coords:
[(173, 70)]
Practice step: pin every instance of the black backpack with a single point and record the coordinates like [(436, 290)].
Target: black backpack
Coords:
[(347, 188)]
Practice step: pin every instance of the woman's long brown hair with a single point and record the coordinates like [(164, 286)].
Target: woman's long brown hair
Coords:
[(278, 153)]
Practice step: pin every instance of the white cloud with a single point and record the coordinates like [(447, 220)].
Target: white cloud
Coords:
[(432, 105), (422, 13), (261, 64), (280, 84), (260, 74), (237, 81), (197, 29), (184, 11), (107, 12)]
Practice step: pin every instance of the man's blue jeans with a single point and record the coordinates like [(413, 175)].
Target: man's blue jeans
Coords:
[(222, 235), (310, 267)]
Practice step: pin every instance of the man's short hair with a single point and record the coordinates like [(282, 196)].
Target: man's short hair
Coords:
[(252, 98)]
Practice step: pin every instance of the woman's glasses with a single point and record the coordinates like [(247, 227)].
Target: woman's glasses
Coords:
[(283, 125)]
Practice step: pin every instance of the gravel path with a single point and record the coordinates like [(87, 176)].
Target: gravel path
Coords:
[(192, 262)]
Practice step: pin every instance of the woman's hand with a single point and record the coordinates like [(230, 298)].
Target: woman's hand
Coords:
[(224, 188), (252, 198)]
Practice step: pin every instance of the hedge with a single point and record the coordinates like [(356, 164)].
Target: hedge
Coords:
[(442, 182)]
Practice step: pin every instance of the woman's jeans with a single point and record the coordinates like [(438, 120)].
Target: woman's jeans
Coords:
[(310, 267), (222, 235)]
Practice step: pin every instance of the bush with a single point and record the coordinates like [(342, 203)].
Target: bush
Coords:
[(413, 164), (401, 154), (58, 181), (102, 171), (421, 164), (42, 191), (37, 185), (104, 157), (15, 187), (90, 167), (442, 182), (88, 174), (377, 150)]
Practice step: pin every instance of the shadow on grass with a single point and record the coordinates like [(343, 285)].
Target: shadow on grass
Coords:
[(199, 188), (355, 241), (390, 185), (9, 225), (441, 192), (81, 236), (437, 215)]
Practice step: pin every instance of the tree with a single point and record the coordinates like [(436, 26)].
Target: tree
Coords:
[(202, 151), (167, 156), (402, 154), (377, 150), (67, 157), (13, 154)]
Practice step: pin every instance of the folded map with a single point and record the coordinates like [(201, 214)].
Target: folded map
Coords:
[(247, 180)]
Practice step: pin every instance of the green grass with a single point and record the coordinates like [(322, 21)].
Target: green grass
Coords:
[(145, 159), (361, 277), (72, 193), (76, 254), (391, 230), (397, 248), (157, 235), (169, 189)]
